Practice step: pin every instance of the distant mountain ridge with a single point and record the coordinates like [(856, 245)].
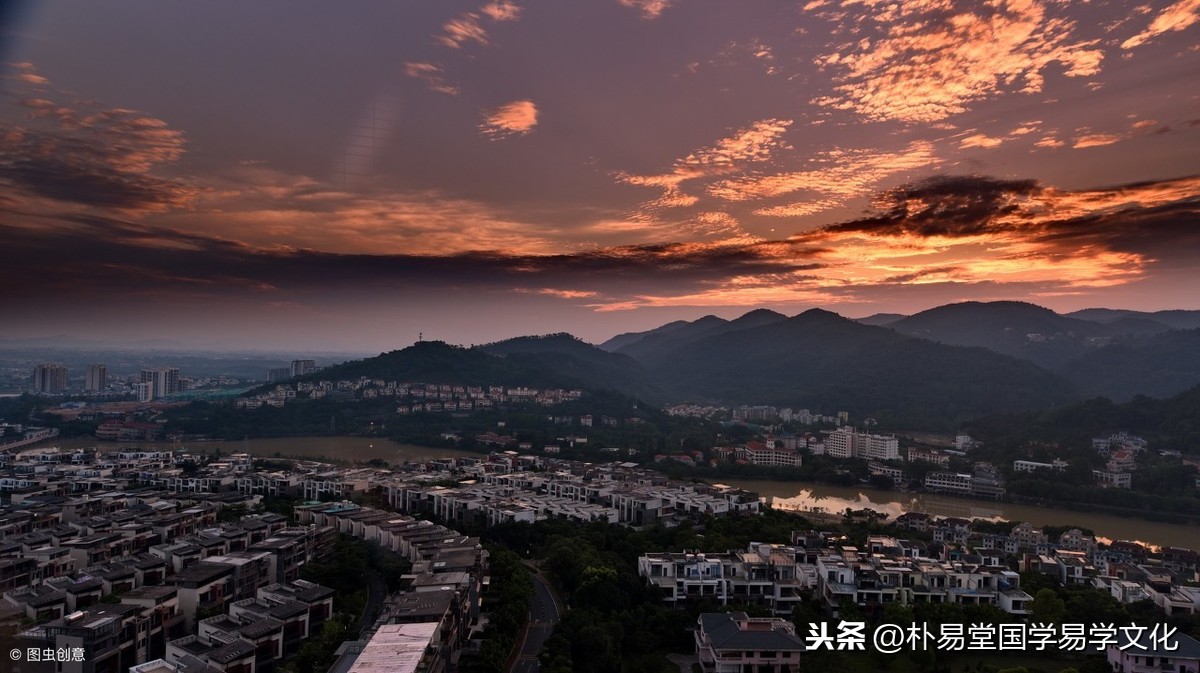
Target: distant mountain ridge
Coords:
[(1018, 329), (881, 319), (1127, 353), (821, 360), (1171, 422), (1174, 318), (552, 361), (580, 361), (1158, 365), (656, 345), (937, 367)]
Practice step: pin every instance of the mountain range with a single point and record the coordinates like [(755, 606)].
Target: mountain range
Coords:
[(934, 368)]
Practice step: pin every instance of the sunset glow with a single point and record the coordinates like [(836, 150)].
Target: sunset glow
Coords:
[(595, 167)]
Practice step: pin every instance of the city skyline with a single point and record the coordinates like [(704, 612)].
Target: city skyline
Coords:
[(282, 176)]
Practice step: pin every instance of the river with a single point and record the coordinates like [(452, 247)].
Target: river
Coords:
[(316, 448), (795, 496), (802, 497)]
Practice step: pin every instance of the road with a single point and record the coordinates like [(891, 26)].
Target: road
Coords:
[(543, 615), (376, 595)]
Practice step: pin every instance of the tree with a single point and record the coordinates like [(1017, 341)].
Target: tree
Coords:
[(882, 481), (232, 513), (1047, 608)]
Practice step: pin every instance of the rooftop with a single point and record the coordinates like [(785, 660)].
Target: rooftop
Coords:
[(737, 631)]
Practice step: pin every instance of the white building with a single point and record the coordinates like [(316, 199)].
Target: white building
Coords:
[(845, 442), (1032, 466), (1149, 656)]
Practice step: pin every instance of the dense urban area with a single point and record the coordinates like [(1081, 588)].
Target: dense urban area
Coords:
[(569, 526)]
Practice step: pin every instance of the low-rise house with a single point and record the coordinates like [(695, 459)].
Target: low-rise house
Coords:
[(203, 588), (167, 622), (235, 657), (112, 638), (735, 642), (39, 603), (1148, 655)]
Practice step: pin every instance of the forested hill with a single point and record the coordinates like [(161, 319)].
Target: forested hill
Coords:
[(558, 361), (578, 360), (1171, 423), (821, 360)]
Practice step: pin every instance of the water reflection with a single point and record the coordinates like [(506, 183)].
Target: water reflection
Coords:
[(822, 499)]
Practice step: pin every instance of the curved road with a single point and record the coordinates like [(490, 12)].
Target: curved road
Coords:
[(543, 615), (376, 595)]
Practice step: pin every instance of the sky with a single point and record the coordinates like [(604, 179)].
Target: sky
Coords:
[(349, 176)]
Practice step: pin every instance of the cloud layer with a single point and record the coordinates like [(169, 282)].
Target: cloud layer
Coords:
[(515, 118)]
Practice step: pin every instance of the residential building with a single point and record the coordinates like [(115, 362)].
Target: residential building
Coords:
[(758, 453), (96, 379), (303, 367), (846, 442), (1148, 655), (49, 378), (1032, 466), (735, 642), (279, 375), (112, 637), (401, 648), (203, 586), (163, 381), (1113, 479)]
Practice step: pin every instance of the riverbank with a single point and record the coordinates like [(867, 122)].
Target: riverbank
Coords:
[(340, 449), (1181, 518), (802, 497), (811, 499)]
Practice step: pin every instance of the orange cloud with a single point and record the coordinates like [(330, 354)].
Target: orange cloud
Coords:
[(650, 9), (515, 118), (933, 59), (755, 143), (719, 225), (980, 140), (501, 10), (1178, 16), (1050, 141), (467, 27), (273, 210), (839, 173), (1096, 140), (432, 75), (461, 29), (72, 154), (799, 209)]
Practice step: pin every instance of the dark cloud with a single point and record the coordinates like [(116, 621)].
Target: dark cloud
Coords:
[(101, 256), (1147, 226), (80, 153), (944, 206), (1169, 234), (80, 178)]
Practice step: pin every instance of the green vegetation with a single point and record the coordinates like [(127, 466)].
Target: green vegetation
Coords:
[(1163, 485), (823, 361), (1172, 423), (317, 653), (347, 574), (617, 623), (1159, 365), (507, 607)]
